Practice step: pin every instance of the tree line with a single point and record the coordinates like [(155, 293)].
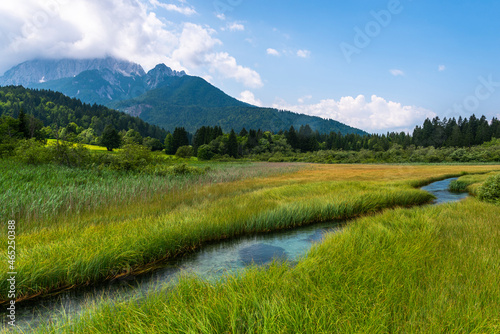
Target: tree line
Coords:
[(208, 142)]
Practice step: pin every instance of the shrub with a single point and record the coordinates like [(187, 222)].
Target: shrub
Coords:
[(133, 157), (153, 144), (32, 152), (184, 152), (184, 169), (490, 190), (68, 154), (205, 153)]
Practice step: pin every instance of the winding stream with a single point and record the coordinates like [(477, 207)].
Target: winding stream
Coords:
[(210, 263)]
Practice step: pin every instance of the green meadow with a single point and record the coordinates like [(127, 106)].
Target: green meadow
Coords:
[(393, 269)]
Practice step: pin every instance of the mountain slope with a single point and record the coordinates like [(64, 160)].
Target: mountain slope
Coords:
[(192, 102), (57, 111), (96, 86), (162, 96), (92, 81)]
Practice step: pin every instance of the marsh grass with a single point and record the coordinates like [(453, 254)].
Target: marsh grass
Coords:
[(121, 239), (420, 270), (44, 195), (470, 183)]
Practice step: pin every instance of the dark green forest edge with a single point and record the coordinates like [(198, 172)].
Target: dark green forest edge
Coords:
[(29, 117)]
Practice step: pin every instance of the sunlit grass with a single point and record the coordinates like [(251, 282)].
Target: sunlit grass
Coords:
[(423, 270), (89, 147), (470, 183), (115, 239)]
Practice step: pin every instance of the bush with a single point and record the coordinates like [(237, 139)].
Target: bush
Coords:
[(205, 152), (7, 147), (153, 144), (68, 154), (184, 152), (32, 152), (490, 190), (184, 169), (132, 157)]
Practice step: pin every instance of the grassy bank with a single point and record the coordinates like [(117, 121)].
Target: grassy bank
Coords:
[(421, 270), (120, 239)]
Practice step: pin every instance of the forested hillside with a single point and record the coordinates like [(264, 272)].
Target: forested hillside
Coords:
[(57, 111), (191, 102)]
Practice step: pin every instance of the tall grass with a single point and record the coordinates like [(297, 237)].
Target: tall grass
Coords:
[(116, 240), (39, 196), (470, 183), (422, 270), (89, 251)]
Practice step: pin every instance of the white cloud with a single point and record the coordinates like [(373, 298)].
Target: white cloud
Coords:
[(303, 99), (221, 16), (196, 49), (249, 97), (188, 11), (396, 72), (376, 115), (127, 29), (83, 29), (273, 52), (236, 27), (226, 65), (441, 68), (195, 43), (303, 53)]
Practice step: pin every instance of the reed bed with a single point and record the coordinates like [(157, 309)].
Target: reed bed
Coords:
[(116, 240), (423, 270), (40, 196)]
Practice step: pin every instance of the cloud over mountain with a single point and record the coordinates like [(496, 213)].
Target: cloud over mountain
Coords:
[(128, 29)]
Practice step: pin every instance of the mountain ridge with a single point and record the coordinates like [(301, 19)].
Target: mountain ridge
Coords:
[(162, 96), (43, 70)]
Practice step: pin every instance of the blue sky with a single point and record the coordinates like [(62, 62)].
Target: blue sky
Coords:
[(377, 65)]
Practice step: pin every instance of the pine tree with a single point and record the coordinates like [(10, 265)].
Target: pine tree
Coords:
[(110, 138), (169, 144), (292, 138), (243, 132), (252, 139), (23, 128), (232, 144), (180, 138)]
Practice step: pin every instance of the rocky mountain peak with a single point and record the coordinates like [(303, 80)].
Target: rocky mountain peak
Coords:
[(44, 70), (158, 74)]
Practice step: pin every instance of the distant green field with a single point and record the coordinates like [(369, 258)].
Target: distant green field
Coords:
[(90, 147)]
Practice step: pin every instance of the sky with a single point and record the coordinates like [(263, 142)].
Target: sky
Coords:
[(376, 65)]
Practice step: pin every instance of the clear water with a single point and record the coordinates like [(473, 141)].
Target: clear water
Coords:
[(209, 263), (440, 190)]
